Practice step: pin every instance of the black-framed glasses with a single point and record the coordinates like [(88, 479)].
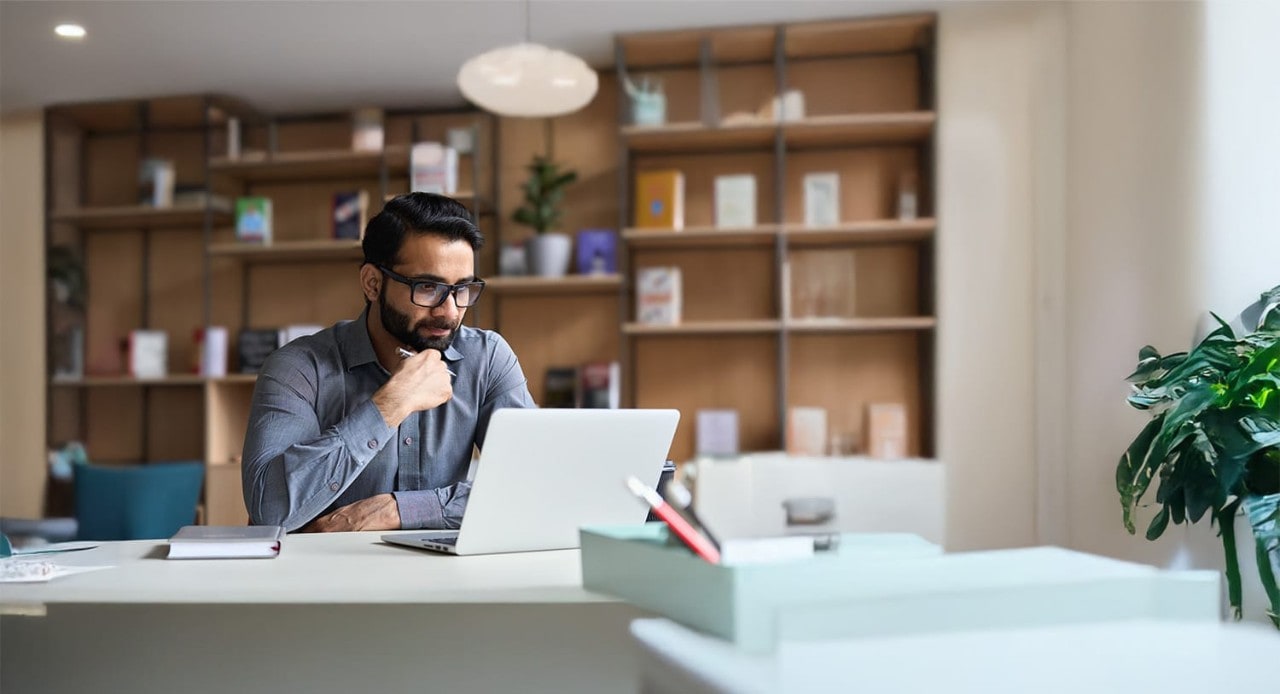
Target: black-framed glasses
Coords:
[(430, 294)]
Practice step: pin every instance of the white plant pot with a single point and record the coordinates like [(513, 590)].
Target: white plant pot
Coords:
[(549, 254), (1252, 596)]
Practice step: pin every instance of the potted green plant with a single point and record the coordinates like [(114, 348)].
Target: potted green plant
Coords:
[(66, 276), (548, 251), (1213, 442)]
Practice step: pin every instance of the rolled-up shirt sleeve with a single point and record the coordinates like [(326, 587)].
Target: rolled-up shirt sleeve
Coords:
[(293, 470)]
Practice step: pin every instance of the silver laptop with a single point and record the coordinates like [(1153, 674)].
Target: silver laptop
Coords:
[(543, 473)]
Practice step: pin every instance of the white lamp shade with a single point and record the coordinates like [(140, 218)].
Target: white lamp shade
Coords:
[(528, 80)]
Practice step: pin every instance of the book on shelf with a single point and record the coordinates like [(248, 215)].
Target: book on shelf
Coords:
[(148, 353), (807, 431), (226, 542), (254, 346), (602, 385), (350, 214), (211, 351), (253, 219), (717, 433), (561, 387), (887, 431), (597, 252), (367, 134), (433, 168), (658, 295), (735, 201), (659, 200), (156, 182), (908, 196), (822, 199)]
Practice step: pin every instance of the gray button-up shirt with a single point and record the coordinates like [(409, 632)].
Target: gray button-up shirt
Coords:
[(317, 442)]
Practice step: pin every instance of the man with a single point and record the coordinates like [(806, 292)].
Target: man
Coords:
[(364, 426)]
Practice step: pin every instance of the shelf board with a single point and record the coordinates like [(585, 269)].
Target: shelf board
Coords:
[(323, 164), (234, 378), (874, 231), (115, 381), (571, 284), (714, 327), (860, 129), (845, 129), (827, 39), (675, 49), (762, 235), (696, 137), (861, 325), (289, 251), (140, 216)]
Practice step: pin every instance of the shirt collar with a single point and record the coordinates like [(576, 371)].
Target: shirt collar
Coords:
[(357, 347)]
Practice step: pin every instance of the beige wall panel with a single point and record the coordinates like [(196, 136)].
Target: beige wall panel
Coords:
[(692, 373), (114, 425), (318, 293), (176, 293), (857, 85), (869, 180), (699, 181), (720, 284), (559, 330), (111, 163), (863, 282), (114, 276), (175, 425), (845, 373)]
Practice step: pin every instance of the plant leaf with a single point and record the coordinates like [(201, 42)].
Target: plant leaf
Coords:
[(1264, 518), (1227, 528), (1135, 469), (1158, 524)]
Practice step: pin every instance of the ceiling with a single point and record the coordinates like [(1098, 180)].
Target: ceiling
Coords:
[(292, 56)]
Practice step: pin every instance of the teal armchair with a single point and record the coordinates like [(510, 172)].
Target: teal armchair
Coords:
[(136, 502)]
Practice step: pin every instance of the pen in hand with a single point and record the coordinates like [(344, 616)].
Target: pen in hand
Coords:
[(405, 354)]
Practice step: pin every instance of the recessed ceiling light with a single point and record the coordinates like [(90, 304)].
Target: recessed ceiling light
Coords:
[(69, 31)]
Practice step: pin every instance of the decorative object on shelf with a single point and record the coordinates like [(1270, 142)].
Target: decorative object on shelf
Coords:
[(807, 431), (350, 214), (148, 353), (1213, 445), (601, 385), (788, 107), (366, 130), (461, 140), (658, 295), (253, 220), (648, 102), (887, 431), (512, 260), (908, 196), (717, 433), (528, 79), (233, 138), (433, 168), (822, 199), (597, 252), (254, 346), (211, 351), (561, 387), (548, 251), (659, 201), (735, 201), (156, 181)]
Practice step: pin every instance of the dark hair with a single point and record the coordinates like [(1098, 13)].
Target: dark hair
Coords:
[(420, 213)]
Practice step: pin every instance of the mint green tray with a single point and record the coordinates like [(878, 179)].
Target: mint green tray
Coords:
[(737, 603)]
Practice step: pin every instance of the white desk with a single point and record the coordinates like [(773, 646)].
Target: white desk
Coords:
[(340, 612)]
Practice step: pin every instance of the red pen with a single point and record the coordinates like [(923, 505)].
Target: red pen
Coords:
[(700, 545)]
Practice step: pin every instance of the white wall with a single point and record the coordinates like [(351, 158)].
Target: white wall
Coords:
[(1173, 186), (22, 360)]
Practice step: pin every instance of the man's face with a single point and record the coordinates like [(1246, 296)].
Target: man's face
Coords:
[(425, 257)]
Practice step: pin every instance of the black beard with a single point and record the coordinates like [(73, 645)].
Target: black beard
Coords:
[(397, 324)]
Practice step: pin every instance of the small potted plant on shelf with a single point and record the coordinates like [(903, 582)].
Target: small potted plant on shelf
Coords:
[(548, 251), (1213, 443)]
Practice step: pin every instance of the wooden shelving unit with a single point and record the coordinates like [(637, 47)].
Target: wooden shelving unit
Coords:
[(141, 217), (783, 314), (312, 165), (571, 284), (288, 251), (127, 381)]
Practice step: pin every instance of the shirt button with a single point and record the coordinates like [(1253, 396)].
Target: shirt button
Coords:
[(333, 487), (373, 443), (408, 440)]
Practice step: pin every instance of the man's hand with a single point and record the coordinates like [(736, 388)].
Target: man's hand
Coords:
[(421, 382), (375, 513)]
